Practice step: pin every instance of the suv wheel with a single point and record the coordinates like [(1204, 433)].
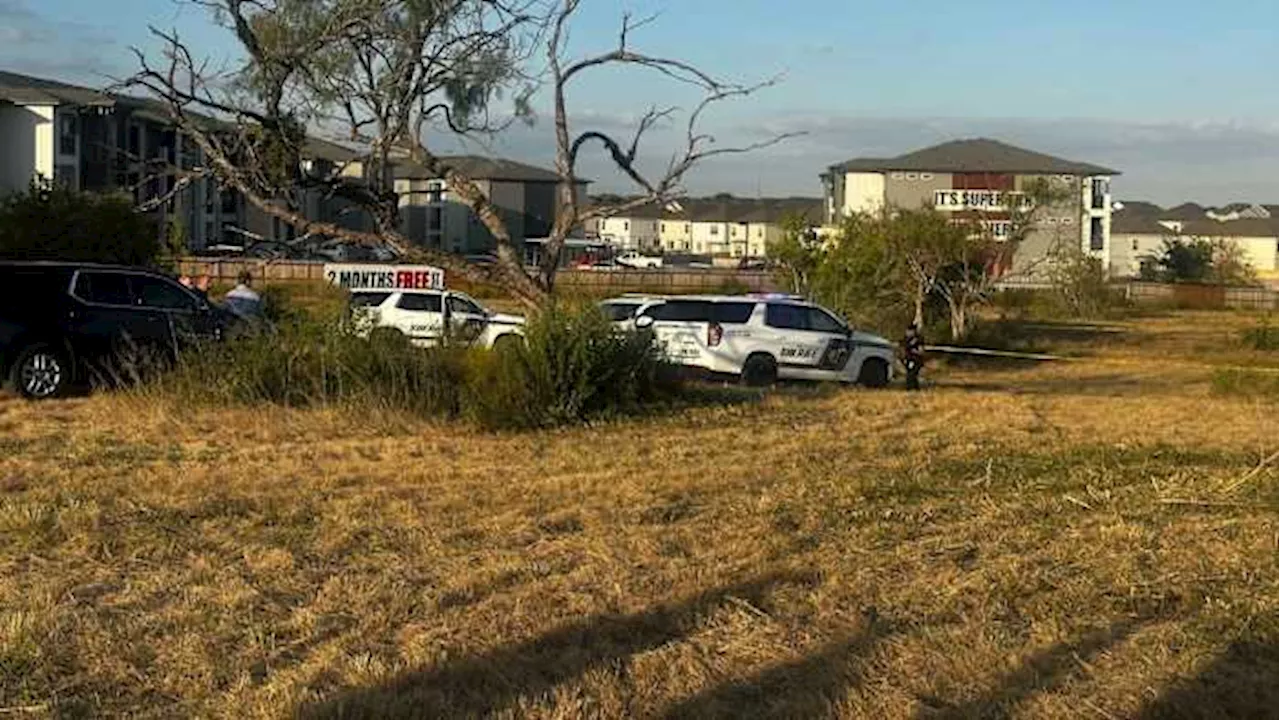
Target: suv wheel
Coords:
[(41, 371), (507, 342), (760, 370), (874, 373)]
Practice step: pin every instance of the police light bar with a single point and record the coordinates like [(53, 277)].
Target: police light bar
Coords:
[(357, 277)]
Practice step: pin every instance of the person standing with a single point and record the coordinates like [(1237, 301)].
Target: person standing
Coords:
[(913, 355), (242, 299)]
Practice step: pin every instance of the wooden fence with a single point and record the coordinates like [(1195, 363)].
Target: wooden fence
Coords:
[(596, 282), (1204, 297)]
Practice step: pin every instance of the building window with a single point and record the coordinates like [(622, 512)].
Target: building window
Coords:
[(715, 229), (664, 227), (926, 176), (895, 176), (1135, 244), (911, 176), (1098, 193), (135, 141), (1095, 234), (686, 227), (208, 233), (1066, 220), (759, 232), (67, 134), (228, 201)]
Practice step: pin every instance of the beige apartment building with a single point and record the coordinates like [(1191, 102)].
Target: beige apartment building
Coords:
[(981, 179), (721, 227)]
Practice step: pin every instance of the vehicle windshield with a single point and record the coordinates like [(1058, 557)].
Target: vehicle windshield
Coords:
[(619, 311)]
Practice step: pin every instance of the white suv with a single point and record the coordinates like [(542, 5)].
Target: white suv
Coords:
[(421, 315), (758, 338)]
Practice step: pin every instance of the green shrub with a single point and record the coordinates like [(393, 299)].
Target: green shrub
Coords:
[(573, 366), (1242, 382), (309, 364), (1263, 336), (49, 222)]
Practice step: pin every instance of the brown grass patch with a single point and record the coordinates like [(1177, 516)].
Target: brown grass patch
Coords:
[(1039, 542)]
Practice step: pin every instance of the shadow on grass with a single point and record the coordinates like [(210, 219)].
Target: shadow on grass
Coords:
[(806, 688), (1039, 672), (495, 680), (1110, 385), (1240, 683)]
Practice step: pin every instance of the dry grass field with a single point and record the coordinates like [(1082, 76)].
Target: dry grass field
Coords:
[(1095, 538)]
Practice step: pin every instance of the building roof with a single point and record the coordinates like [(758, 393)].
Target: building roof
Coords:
[(975, 155), (1244, 227), (26, 90), (1185, 211), (315, 147), (482, 168), (1140, 208), (1136, 222), (735, 210)]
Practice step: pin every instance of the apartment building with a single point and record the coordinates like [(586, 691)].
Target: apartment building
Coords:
[(981, 179), (723, 226), (1140, 230), (86, 139), (525, 197), (637, 229)]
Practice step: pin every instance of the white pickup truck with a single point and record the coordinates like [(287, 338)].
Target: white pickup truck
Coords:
[(633, 259)]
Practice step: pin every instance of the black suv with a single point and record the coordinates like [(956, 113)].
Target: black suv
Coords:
[(60, 322)]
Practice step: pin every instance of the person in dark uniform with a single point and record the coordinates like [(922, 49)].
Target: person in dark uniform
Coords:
[(913, 355)]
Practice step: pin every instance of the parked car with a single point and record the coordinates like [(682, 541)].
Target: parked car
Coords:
[(351, 252), (423, 315), (760, 338), (633, 259), (61, 322)]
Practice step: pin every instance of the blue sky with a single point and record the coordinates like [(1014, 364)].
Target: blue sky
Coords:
[(1180, 96)]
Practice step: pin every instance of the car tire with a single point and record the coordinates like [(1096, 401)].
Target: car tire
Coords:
[(41, 371), (506, 342), (874, 373), (760, 370)]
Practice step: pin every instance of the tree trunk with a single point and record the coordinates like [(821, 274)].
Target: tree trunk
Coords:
[(959, 317), (919, 302)]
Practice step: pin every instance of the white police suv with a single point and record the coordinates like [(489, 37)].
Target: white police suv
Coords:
[(758, 338), (412, 300), (425, 316)]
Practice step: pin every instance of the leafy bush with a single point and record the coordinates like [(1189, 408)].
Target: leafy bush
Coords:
[(1263, 336), (308, 364), (49, 222), (573, 366)]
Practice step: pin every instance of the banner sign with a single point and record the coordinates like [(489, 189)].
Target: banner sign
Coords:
[(384, 277), (979, 200)]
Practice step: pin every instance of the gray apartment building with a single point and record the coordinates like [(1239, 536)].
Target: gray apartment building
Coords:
[(86, 139), (981, 179), (525, 197)]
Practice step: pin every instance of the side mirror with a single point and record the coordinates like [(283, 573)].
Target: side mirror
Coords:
[(644, 322)]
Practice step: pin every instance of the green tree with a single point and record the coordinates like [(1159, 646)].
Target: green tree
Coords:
[(797, 254), (1185, 260), (50, 222)]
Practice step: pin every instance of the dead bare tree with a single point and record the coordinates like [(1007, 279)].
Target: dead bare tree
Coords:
[(386, 75)]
